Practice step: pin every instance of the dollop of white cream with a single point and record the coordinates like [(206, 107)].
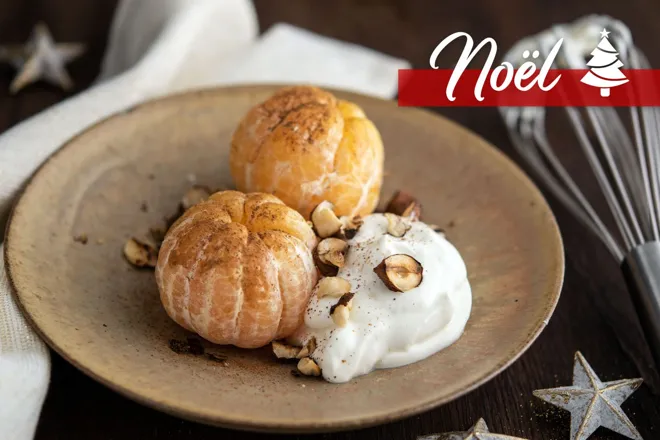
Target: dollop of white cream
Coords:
[(388, 329)]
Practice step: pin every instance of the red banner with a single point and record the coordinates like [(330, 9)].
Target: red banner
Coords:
[(477, 88)]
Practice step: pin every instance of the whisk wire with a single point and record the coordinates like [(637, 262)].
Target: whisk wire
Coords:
[(578, 204), (651, 124), (597, 168), (629, 216), (532, 128), (625, 158), (643, 160), (591, 218), (651, 135)]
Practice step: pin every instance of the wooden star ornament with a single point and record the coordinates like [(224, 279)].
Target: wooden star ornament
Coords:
[(41, 59), (593, 403), (478, 432)]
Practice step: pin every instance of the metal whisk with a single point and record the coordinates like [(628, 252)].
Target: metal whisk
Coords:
[(625, 162)]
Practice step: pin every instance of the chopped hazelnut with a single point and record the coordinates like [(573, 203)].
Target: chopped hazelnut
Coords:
[(140, 254), (340, 316), (397, 226), (405, 205), (308, 367), (332, 286), (329, 255), (325, 221), (340, 312), (285, 351), (413, 211), (400, 272), (349, 226), (308, 349)]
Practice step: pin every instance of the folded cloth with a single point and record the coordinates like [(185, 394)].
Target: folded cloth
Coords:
[(157, 47)]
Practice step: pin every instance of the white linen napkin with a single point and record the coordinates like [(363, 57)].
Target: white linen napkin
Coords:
[(157, 47)]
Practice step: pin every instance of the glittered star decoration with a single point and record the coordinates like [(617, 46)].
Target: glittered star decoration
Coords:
[(593, 403), (478, 432), (41, 59)]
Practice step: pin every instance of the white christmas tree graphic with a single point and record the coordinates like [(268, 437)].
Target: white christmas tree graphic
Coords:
[(605, 66)]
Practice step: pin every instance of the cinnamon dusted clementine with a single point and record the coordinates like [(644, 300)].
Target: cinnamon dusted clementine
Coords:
[(238, 269), (305, 146)]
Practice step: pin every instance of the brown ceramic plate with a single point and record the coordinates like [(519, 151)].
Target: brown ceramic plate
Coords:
[(125, 174)]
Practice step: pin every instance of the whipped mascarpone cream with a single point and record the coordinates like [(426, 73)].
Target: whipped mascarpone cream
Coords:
[(389, 329)]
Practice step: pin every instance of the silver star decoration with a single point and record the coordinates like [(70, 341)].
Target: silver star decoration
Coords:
[(593, 403), (41, 58), (478, 432)]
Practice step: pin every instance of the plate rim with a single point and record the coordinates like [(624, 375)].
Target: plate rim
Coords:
[(294, 426)]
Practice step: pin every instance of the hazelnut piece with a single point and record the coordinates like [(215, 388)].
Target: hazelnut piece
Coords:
[(325, 221), (397, 226), (405, 205), (308, 367), (400, 272), (285, 351), (349, 226), (140, 254), (330, 254), (332, 286), (340, 312), (308, 349)]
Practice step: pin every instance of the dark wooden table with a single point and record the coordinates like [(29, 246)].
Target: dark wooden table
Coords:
[(594, 314)]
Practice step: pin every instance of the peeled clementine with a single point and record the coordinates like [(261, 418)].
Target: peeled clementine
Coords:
[(238, 269), (306, 146)]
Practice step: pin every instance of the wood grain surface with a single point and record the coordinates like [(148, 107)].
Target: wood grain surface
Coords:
[(594, 314)]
